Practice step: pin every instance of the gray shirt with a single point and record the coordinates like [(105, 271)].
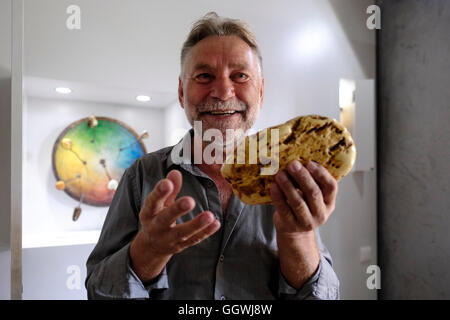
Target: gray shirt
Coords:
[(239, 261)]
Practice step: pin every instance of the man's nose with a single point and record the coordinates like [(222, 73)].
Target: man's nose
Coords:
[(222, 89)]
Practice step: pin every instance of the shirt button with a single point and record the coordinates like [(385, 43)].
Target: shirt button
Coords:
[(221, 258), (222, 298)]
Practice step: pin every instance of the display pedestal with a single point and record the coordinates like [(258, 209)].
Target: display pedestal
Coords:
[(71, 238)]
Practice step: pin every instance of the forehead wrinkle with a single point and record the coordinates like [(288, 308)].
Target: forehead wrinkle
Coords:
[(202, 65), (220, 53), (232, 65)]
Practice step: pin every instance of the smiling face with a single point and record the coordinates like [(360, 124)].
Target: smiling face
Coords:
[(221, 84)]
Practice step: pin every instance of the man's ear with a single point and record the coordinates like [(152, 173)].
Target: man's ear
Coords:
[(180, 92), (261, 94)]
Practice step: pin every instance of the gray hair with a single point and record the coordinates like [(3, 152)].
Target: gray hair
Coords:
[(213, 25)]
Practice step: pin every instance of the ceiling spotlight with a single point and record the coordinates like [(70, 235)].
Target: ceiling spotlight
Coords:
[(63, 90), (143, 98)]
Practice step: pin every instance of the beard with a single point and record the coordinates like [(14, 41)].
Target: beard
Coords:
[(233, 130)]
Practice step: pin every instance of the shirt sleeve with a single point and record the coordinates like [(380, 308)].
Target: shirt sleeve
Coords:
[(109, 271), (323, 284)]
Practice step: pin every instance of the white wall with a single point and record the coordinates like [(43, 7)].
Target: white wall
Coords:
[(175, 125), (47, 211), (55, 273)]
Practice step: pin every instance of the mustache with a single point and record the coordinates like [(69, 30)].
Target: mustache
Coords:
[(219, 105)]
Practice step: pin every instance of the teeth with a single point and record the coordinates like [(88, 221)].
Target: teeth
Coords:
[(222, 112)]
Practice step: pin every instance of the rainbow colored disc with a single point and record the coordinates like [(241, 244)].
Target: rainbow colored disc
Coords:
[(88, 158)]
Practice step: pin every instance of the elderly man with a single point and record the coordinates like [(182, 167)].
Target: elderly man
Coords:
[(175, 230)]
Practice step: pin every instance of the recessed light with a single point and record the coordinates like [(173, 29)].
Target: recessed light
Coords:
[(142, 98), (63, 90)]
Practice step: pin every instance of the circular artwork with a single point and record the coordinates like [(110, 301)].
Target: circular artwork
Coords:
[(91, 155)]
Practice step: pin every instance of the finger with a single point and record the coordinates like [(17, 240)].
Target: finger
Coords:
[(326, 182), (298, 206), (299, 192), (154, 202), (311, 191), (170, 214), (201, 235), (280, 203), (177, 179), (184, 231)]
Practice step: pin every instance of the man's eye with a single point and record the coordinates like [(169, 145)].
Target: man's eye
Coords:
[(240, 77), (203, 77)]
